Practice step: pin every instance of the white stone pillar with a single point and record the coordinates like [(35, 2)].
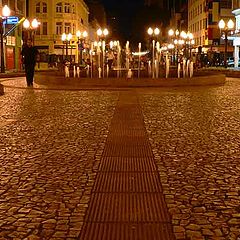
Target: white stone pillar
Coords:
[(236, 56)]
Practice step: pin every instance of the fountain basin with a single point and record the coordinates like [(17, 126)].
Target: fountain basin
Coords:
[(52, 79)]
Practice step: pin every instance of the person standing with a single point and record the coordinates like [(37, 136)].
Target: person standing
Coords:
[(30, 55)]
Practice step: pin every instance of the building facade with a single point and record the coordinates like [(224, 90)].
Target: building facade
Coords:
[(179, 17), (57, 17), (236, 37), (203, 19), (12, 33)]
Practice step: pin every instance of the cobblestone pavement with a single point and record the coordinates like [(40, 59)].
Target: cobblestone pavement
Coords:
[(195, 138), (50, 146), (51, 143)]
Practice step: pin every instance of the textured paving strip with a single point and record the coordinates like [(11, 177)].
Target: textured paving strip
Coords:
[(127, 201)]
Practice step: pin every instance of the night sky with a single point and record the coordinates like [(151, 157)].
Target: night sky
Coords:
[(131, 18)]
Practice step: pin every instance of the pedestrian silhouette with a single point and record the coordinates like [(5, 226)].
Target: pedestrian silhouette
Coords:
[(30, 55)]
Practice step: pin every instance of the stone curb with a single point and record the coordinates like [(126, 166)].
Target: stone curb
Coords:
[(216, 79)]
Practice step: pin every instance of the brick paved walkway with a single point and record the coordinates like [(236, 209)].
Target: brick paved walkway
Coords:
[(62, 151), (127, 200)]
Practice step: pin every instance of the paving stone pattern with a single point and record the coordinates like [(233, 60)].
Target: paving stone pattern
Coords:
[(50, 148), (53, 163), (195, 137)]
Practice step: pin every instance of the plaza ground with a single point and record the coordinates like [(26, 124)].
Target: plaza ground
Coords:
[(129, 163)]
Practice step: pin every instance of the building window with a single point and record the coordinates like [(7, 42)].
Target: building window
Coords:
[(67, 8), (67, 28), (73, 9), (226, 4), (59, 7), (81, 21), (38, 31), (59, 28), (44, 8), (44, 28), (38, 8)]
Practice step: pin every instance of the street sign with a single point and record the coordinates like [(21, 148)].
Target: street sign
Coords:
[(11, 20)]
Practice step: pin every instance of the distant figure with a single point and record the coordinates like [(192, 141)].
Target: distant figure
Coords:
[(110, 58), (30, 55)]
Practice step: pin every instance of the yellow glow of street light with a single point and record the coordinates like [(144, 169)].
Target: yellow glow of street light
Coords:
[(181, 42), (230, 24), (150, 31), (69, 36), (192, 42), (64, 37), (95, 44), (183, 34), (26, 23), (177, 32), (99, 32), (221, 24), (111, 44), (156, 31), (170, 32), (190, 36), (34, 23), (85, 34), (105, 32), (6, 11), (78, 34)]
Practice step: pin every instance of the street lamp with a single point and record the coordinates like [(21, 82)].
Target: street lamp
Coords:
[(226, 28), (5, 13), (30, 27), (66, 38), (81, 39), (189, 42), (153, 33), (174, 36), (102, 34)]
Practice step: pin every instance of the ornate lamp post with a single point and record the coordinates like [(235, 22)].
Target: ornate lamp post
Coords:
[(153, 33), (189, 41), (30, 27), (226, 28), (81, 39), (5, 14), (66, 38), (102, 34), (174, 36)]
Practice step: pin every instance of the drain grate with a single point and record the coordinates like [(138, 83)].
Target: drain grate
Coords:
[(127, 164), (128, 182), (127, 231)]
